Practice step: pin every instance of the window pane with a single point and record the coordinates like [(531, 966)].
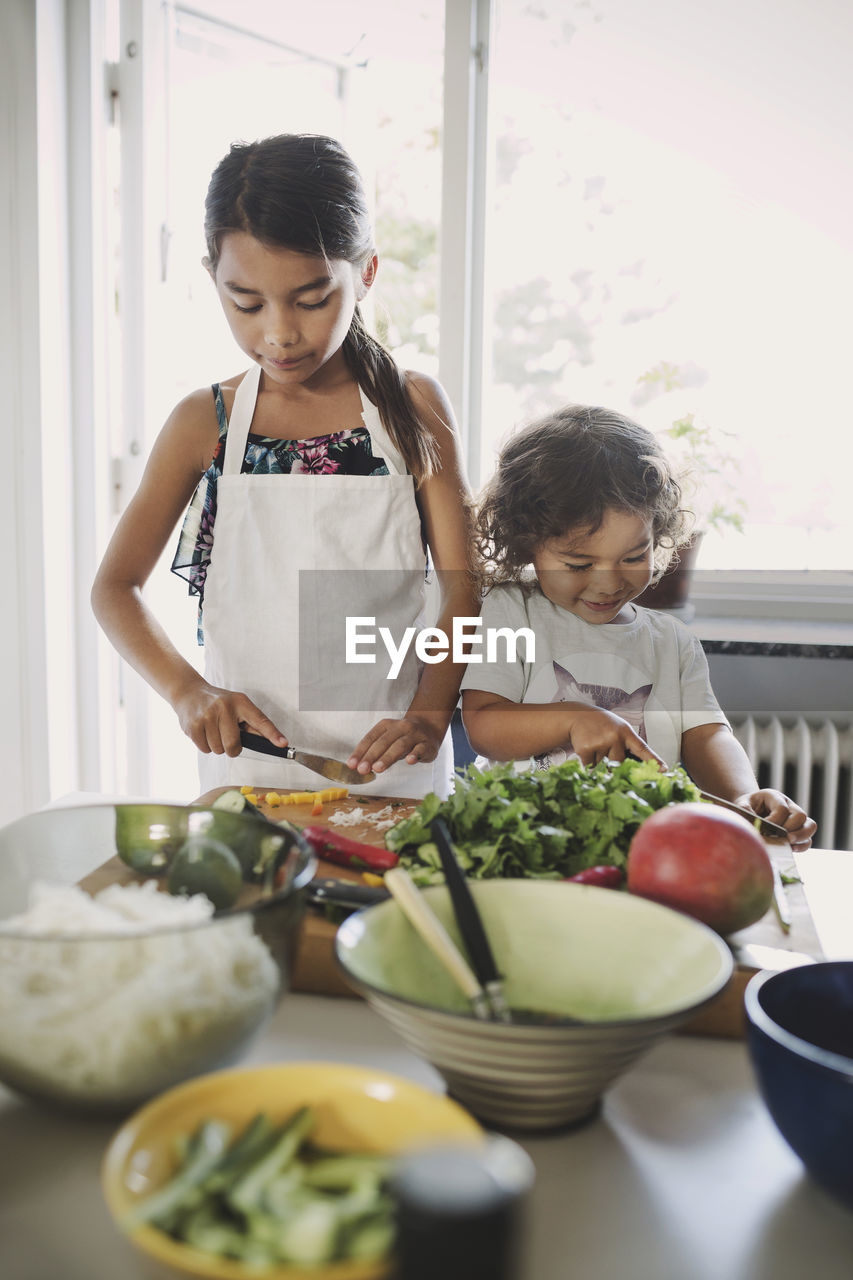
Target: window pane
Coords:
[(672, 234)]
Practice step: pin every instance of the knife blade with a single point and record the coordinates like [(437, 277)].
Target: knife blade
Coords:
[(780, 900), (334, 770), (766, 828)]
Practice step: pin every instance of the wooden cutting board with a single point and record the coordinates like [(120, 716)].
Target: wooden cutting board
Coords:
[(317, 970)]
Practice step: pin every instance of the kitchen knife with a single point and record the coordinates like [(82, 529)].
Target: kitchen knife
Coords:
[(345, 893), (765, 827), (780, 900), (334, 770)]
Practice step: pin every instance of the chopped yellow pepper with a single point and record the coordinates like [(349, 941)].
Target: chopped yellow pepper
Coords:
[(315, 797)]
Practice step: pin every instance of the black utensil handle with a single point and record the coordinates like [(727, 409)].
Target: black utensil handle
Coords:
[(346, 893), (255, 742), (465, 908)]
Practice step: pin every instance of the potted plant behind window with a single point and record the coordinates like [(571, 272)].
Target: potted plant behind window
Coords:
[(708, 472)]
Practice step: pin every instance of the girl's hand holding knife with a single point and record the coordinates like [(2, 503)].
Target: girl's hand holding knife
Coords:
[(213, 718)]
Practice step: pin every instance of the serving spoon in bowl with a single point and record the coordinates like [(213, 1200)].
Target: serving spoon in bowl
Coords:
[(419, 913), (476, 940)]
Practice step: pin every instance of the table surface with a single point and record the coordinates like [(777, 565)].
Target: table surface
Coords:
[(682, 1175)]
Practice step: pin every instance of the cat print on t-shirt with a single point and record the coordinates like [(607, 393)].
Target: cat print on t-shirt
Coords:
[(630, 706)]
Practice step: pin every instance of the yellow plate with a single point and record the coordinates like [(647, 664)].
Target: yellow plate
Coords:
[(358, 1109)]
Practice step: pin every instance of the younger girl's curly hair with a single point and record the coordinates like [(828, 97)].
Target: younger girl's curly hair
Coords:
[(564, 471)]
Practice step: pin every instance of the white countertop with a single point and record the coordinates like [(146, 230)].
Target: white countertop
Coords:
[(682, 1176)]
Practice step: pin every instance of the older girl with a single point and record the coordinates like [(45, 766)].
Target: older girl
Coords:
[(323, 477)]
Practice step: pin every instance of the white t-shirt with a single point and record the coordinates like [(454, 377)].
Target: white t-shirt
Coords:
[(650, 671)]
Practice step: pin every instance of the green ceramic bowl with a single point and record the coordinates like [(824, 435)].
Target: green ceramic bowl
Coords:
[(615, 971)]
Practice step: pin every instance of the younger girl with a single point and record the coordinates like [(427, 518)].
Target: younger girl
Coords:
[(586, 497), (321, 477)]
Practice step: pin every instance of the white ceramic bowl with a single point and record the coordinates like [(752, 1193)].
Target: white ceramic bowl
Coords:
[(629, 970), (104, 1021)]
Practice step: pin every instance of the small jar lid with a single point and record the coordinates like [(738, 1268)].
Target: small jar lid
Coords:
[(458, 1210)]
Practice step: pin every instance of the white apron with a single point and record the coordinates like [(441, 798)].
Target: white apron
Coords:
[(286, 550)]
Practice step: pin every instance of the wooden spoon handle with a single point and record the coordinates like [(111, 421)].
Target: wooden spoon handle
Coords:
[(418, 911)]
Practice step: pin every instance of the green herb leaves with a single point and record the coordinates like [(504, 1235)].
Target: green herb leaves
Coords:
[(546, 824)]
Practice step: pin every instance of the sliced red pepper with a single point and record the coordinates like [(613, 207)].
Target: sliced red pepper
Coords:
[(349, 853), (606, 877)]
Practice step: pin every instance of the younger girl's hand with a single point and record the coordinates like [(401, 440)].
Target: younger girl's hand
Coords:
[(781, 809), (213, 717), (414, 738), (596, 734)]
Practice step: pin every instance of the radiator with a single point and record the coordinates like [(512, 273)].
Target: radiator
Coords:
[(811, 761)]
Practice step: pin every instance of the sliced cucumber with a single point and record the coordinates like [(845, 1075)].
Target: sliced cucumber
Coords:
[(369, 1239), (234, 801), (254, 1201), (340, 1173), (206, 1149), (309, 1235), (247, 1192)]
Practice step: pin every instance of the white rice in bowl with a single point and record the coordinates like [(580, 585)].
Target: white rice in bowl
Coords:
[(106, 1000)]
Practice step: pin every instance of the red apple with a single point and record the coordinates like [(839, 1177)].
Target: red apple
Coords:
[(705, 861)]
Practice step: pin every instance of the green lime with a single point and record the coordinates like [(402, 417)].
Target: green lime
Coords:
[(204, 865), (243, 833)]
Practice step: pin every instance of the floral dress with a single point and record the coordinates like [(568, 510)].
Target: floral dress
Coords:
[(345, 452)]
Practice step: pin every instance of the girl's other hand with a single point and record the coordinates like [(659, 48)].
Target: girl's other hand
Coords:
[(596, 734), (413, 738), (781, 809), (213, 717)]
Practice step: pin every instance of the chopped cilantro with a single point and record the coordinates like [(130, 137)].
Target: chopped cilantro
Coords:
[(545, 824)]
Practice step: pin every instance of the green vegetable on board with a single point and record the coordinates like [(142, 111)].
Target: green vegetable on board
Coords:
[(269, 1196), (233, 801), (543, 824)]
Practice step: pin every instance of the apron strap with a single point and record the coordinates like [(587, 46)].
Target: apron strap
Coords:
[(383, 446), (242, 412)]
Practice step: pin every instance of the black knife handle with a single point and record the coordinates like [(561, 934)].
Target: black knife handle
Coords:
[(465, 908), (255, 742), (346, 893)]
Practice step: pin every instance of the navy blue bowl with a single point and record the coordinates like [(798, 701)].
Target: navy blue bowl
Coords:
[(800, 1037)]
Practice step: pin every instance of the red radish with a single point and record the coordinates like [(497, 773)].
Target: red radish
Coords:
[(704, 861), (606, 877)]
